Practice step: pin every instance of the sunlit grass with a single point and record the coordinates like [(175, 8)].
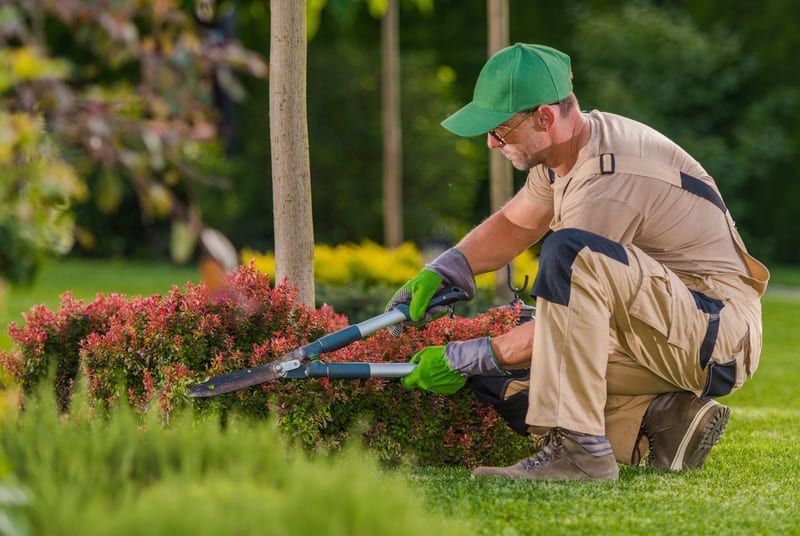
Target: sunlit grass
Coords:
[(749, 484), (85, 278)]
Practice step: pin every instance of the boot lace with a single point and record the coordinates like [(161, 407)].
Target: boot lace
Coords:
[(637, 455), (548, 446)]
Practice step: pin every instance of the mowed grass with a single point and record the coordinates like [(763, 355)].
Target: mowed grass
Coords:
[(786, 276), (85, 278), (750, 484)]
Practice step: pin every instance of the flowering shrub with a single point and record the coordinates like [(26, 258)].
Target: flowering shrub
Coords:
[(52, 340), (149, 350), (369, 264), (345, 264)]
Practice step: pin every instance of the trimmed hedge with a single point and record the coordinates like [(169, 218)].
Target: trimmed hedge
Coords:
[(150, 349)]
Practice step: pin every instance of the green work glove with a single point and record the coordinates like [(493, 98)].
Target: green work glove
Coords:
[(419, 291), (449, 268), (433, 373)]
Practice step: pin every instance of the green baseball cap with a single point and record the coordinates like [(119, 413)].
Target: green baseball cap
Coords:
[(514, 79)]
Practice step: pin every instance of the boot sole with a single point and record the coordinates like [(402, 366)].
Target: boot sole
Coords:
[(708, 430)]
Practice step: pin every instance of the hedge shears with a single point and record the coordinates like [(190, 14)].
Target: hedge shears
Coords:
[(291, 364)]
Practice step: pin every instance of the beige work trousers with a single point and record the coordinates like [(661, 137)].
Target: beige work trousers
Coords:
[(625, 332)]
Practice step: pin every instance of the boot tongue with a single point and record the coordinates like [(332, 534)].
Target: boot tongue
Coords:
[(546, 445)]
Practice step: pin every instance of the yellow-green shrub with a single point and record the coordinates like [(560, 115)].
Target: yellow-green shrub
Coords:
[(124, 475), (10, 397), (524, 264), (371, 264)]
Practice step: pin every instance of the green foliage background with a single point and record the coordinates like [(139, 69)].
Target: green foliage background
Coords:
[(710, 74), (36, 194)]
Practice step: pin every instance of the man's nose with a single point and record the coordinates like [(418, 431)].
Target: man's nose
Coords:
[(492, 142)]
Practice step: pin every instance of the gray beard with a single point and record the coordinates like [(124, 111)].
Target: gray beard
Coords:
[(527, 163)]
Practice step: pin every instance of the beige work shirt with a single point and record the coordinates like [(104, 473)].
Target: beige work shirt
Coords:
[(679, 229)]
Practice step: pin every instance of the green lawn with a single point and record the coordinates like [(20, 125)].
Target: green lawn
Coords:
[(784, 276), (86, 278), (749, 484)]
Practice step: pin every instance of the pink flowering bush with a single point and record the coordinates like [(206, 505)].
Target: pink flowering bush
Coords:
[(149, 350), (51, 340)]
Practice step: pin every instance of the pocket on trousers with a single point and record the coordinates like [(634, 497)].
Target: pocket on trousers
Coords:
[(753, 352), (654, 305), (721, 379)]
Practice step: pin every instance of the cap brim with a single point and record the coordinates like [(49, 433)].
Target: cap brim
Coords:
[(472, 120)]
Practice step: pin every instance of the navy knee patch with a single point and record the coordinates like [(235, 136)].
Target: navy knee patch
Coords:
[(558, 253), (491, 390)]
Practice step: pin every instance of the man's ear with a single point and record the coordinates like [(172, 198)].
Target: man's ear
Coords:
[(546, 117)]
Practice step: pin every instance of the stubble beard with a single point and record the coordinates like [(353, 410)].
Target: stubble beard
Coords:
[(525, 162)]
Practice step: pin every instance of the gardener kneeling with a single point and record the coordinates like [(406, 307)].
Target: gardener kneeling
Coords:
[(648, 304)]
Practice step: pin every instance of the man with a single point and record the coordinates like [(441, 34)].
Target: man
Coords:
[(648, 304)]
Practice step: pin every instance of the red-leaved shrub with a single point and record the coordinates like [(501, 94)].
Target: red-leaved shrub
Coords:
[(149, 350)]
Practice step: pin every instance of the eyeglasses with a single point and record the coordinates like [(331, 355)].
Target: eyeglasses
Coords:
[(502, 139)]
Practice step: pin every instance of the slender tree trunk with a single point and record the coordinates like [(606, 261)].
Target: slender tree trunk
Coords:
[(288, 126), (392, 134), (501, 183)]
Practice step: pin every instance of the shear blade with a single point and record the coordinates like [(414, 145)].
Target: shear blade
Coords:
[(235, 381)]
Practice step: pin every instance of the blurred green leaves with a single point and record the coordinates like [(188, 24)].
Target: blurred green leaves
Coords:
[(344, 12), (128, 92), (36, 196), (658, 66), (28, 64), (442, 173)]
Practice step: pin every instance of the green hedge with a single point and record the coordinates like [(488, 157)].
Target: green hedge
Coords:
[(149, 350)]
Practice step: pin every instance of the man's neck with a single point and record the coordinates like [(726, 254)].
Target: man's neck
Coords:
[(565, 154)]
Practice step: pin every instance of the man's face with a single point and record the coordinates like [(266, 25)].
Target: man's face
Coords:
[(523, 144)]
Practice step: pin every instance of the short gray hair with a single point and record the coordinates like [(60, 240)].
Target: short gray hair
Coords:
[(565, 105)]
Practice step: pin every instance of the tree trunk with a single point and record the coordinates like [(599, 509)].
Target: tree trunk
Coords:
[(392, 134), (501, 182), (288, 126)]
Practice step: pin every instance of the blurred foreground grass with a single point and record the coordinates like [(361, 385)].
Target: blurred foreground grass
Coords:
[(88, 475)]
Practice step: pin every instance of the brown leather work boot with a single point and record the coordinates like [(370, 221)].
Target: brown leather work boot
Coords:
[(563, 455), (682, 429)]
